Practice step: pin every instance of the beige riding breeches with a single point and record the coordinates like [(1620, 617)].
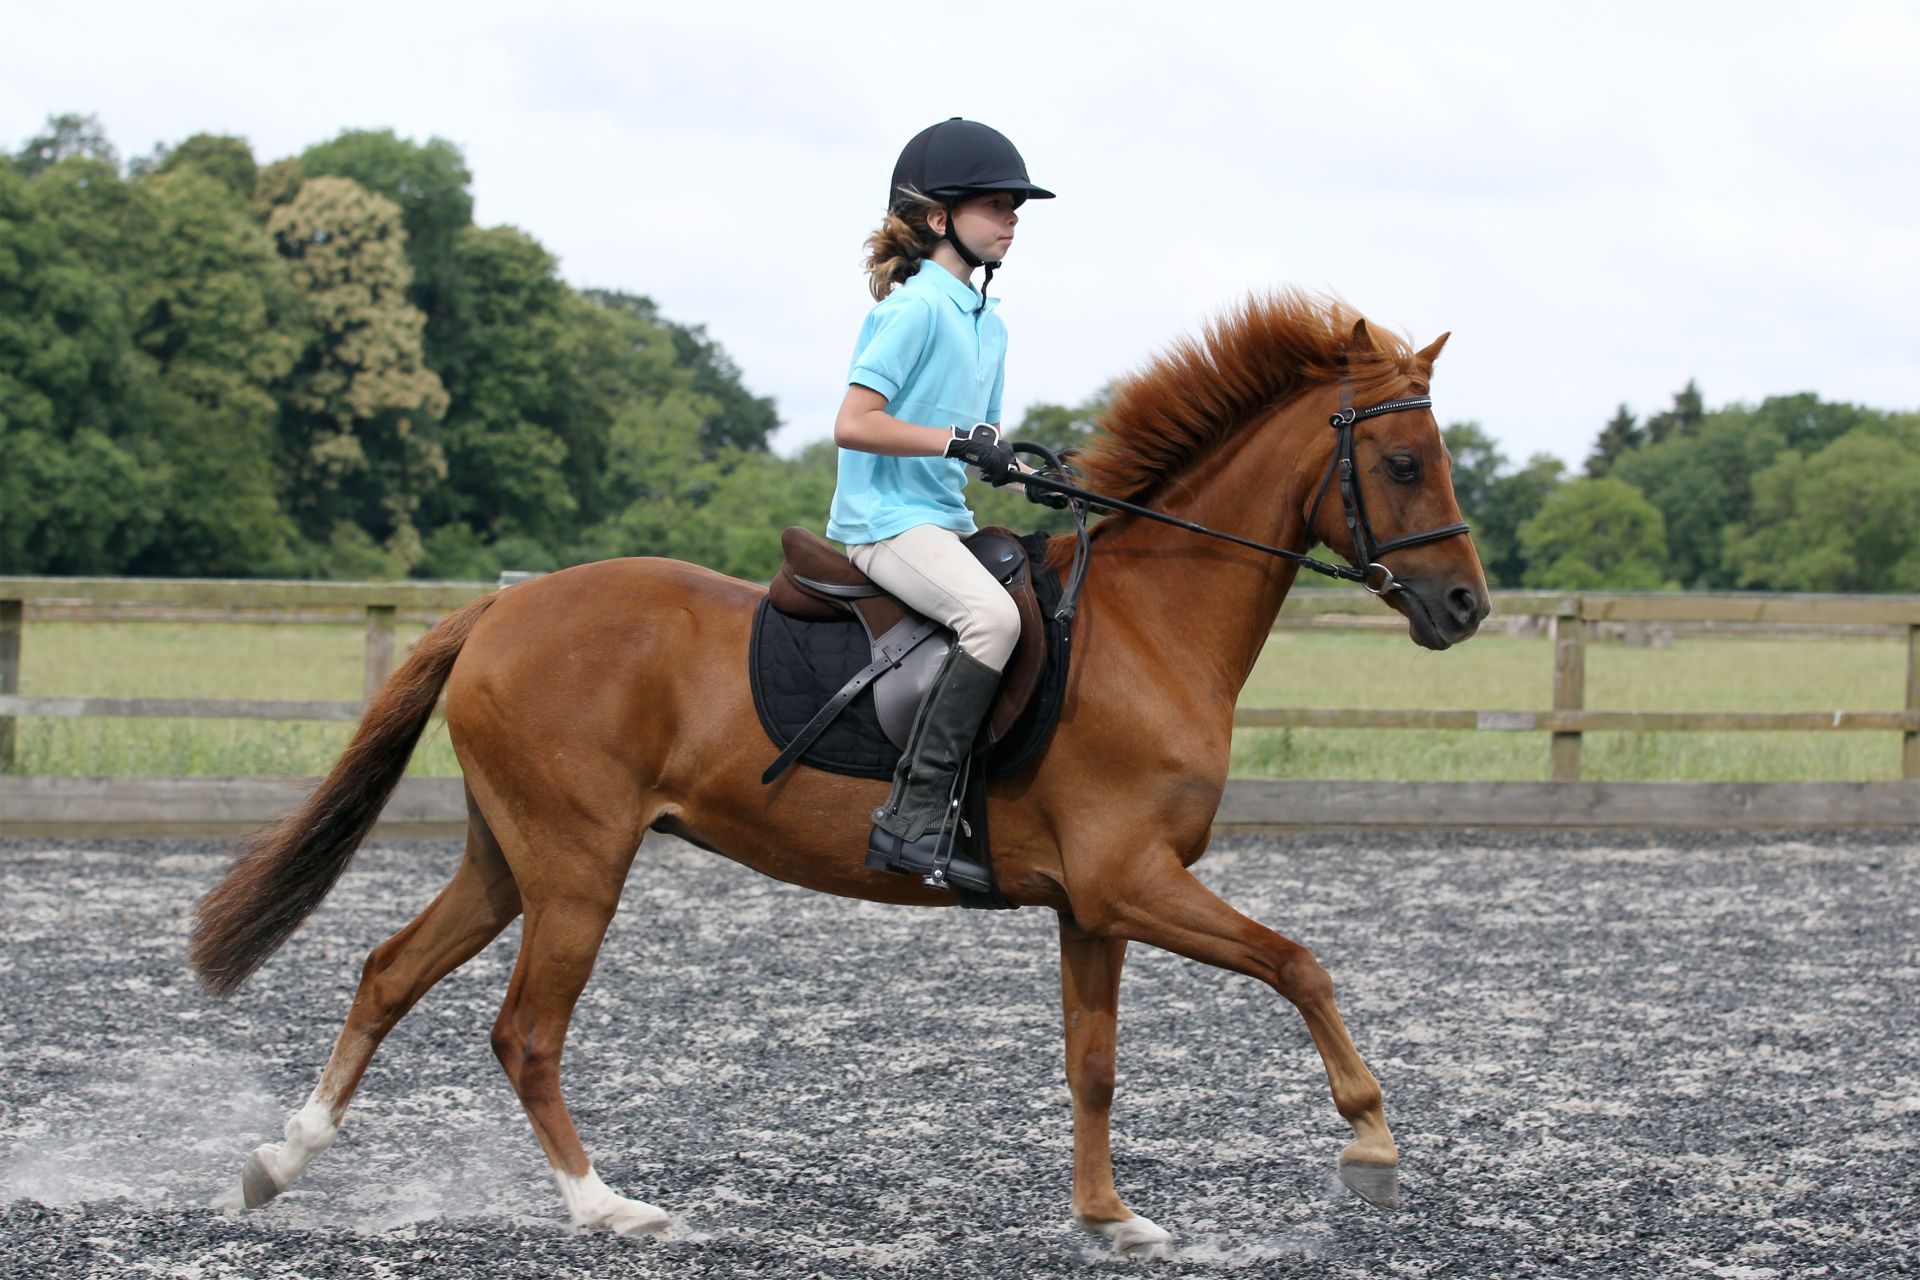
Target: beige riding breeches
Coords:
[(931, 573)]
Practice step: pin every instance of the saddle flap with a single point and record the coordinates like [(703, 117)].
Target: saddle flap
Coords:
[(1002, 555), (809, 563)]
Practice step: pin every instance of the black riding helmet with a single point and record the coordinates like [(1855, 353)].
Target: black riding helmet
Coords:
[(954, 161)]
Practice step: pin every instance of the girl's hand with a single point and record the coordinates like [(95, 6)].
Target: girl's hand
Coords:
[(979, 446)]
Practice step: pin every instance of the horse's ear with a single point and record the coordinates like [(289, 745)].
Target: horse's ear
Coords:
[(1361, 339), (1428, 354)]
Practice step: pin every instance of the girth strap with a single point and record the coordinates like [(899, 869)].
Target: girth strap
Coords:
[(900, 640)]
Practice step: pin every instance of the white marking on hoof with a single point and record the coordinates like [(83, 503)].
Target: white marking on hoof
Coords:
[(273, 1168), (1136, 1237), (594, 1207)]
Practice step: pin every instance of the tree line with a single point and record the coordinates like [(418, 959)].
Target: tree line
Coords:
[(322, 367), (1794, 494)]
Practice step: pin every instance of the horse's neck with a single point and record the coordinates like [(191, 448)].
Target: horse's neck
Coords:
[(1204, 603)]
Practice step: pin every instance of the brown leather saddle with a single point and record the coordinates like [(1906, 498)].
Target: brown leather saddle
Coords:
[(817, 582)]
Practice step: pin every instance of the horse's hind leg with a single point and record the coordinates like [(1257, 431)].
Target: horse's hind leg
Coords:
[(1090, 1000), (565, 925), (470, 912)]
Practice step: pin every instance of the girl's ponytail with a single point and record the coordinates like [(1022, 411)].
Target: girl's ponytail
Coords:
[(903, 239)]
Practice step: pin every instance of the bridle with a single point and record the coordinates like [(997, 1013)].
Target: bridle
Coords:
[(1367, 550), (1366, 568)]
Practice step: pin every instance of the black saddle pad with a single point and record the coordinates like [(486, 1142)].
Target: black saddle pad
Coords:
[(797, 665)]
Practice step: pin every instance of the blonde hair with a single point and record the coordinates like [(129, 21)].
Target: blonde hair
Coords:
[(901, 242)]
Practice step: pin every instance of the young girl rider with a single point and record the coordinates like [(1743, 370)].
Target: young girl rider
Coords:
[(923, 400)]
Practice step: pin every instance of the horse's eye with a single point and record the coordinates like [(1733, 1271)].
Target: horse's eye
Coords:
[(1403, 466)]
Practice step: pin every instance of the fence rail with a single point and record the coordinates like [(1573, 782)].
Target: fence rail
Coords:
[(1565, 722)]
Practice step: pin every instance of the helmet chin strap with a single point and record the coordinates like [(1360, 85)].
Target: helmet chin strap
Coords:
[(972, 259)]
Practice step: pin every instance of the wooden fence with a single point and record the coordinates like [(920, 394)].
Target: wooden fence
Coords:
[(49, 803)]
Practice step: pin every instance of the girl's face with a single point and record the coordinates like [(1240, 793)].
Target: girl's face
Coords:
[(985, 225)]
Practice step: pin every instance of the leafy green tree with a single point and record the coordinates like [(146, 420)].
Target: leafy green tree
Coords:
[(63, 326), (55, 512), (1477, 463), (1689, 408), (431, 184), (624, 372), (739, 419), (79, 491), (215, 327), (1806, 423), (1518, 497), (1702, 482), (657, 474), (360, 405), (66, 137), (1843, 519), (277, 184), (748, 500), (227, 160), (455, 553), (1620, 436), (1596, 535), (504, 363)]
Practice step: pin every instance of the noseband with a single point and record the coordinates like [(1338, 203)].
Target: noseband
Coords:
[(1366, 569)]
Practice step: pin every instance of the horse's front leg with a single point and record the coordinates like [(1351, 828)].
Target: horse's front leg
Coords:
[(1090, 998), (1160, 902)]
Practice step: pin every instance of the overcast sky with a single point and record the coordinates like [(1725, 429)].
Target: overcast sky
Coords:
[(1599, 202)]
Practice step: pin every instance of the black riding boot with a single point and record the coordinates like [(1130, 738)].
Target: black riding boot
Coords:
[(912, 832)]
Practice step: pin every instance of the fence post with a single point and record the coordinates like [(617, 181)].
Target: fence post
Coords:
[(379, 647), (1569, 684), (12, 617), (1910, 756)]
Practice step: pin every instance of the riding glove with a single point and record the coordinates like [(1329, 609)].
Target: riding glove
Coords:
[(979, 447), (1048, 497)]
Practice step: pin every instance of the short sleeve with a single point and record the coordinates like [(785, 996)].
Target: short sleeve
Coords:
[(895, 341), (993, 400)]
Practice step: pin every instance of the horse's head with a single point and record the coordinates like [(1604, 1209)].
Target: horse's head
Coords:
[(1393, 514)]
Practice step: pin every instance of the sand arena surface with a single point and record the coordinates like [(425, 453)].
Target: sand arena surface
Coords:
[(1643, 1055)]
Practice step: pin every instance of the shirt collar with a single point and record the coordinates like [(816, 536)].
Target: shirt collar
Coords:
[(940, 280)]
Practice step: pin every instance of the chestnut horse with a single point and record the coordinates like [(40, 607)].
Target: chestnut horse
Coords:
[(594, 705)]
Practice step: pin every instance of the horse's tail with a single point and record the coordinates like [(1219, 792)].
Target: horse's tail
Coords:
[(285, 869)]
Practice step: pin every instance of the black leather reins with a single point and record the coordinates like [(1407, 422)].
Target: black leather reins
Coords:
[(1367, 571)]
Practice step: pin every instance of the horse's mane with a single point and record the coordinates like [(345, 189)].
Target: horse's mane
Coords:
[(1189, 399)]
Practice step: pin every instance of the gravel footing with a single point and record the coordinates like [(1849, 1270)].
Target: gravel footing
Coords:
[(1645, 1054)]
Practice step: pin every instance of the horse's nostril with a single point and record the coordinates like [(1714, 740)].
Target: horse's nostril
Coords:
[(1465, 606)]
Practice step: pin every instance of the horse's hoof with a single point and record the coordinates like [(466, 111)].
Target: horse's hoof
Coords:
[(256, 1183), (637, 1218), (1137, 1238), (1377, 1184)]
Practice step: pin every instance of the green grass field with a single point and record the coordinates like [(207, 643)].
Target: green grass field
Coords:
[(1300, 668)]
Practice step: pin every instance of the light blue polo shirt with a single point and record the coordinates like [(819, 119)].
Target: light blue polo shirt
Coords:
[(939, 365)]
